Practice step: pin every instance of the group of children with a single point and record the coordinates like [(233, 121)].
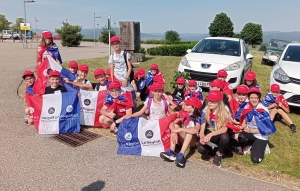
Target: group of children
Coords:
[(216, 125)]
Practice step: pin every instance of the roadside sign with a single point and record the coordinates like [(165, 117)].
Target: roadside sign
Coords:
[(25, 26)]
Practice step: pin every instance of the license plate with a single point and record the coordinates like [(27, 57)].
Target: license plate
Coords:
[(203, 84)]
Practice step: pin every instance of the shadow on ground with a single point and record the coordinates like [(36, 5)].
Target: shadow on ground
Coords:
[(95, 186)]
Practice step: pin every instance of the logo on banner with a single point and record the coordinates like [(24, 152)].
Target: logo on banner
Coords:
[(31, 109), (149, 134), (87, 102), (128, 136), (51, 110), (69, 108)]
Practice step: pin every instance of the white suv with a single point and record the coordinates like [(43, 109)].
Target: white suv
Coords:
[(286, 74), (212, 54)]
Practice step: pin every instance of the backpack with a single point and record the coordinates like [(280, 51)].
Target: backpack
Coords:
[(164, 101), (131, 76)]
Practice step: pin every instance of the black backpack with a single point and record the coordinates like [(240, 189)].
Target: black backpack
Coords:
[(132, 72)]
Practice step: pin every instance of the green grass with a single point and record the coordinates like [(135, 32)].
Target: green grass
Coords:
[(285, 147)]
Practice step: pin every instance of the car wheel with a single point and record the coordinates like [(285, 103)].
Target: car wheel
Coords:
[(263, 62)]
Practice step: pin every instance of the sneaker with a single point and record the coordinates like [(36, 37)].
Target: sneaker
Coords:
[(26, 123), (293, 128), (217, 161), (278, 117), (237, 150), (267, 149), (180, 160), (170, 155), (247, 149)]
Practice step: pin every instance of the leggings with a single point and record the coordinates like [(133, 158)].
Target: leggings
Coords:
[(258, 146), (221, 140)]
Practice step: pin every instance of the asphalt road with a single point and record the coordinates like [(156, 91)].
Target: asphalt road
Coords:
[(29, 161)]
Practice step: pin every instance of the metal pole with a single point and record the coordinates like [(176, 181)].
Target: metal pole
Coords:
[(25, 42), (94, 31), (108, 26), (35, 29)]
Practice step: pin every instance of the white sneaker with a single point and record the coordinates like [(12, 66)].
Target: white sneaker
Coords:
[(267, 150), (247, 149)]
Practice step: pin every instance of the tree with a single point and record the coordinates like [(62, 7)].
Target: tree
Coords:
[(16, 27), (221, 26), (172, 36), (70, 34), (104, 35), (4, 24), (236, 35), (252, 34)]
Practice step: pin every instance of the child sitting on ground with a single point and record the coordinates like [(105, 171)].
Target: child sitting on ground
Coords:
[(139, 84), (54, 79), (250, 80), (237, 105), (278, 106), (82, 72), (29, 79), (151, 73), (100, 86), (177, 96), (227, 89), (193, 91), (73, 67)]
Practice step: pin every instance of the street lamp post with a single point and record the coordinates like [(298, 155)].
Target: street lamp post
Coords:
[(94, 27), (26, 1), (36, 28), (98, 32), (108, 26)]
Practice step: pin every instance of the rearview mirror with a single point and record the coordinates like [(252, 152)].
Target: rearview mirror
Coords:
[(189, 51), (249, 56)]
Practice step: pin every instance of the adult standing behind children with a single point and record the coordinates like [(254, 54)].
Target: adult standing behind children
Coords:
[(120, 64), (48, 47)]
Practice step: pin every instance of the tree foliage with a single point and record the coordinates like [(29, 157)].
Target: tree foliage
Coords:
[(252, 34), (221, 26), (16, 27), (104, 37), (4, 24), (172, 36), (236, 35), (70, 34)]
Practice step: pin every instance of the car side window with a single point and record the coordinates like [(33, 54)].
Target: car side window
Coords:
[(245, 50)]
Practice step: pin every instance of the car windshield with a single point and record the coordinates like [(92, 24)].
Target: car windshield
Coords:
[(218, 46), (277, 45), (292, 54)]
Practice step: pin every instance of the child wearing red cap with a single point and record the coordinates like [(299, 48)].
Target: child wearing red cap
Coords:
[(213, 129), (227, 89), (278, 106), (120, 63), (177, 95), (250, 80), (116, 107), (82, 72), (186, 136), (73, 67), (156, 104), (100, 86), (139, 84), (256, 126), (193, 91), (54, 79), (237, 105), (154, 72), (29, 79), (48, 47)]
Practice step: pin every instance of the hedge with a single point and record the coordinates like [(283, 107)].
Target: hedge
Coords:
[(88, 40), (170, 50), (164, 42)]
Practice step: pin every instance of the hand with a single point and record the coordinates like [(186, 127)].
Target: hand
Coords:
[(247, 130), (132, 82), (39, 63), (66, 80), (202, 141), (124, 83), (174, 138), (165, 95), (274, 105), (207, 137), (111, 115), (280, 104), (112, 127)]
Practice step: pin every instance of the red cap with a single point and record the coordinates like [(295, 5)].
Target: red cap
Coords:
[(217, 83), (47, 34), (254, 90), (54, 73), (27, 73), (180, 80), (242, 89), (194, 102), (141, 72), (158, 79), (192, 83), (73, 64), (83, 67), (154, 67), (108, 71), (114, 39), (250, 75), (222, 73), (215, 95), (156, 86), (275, 88), (115, 84), (98, 72)]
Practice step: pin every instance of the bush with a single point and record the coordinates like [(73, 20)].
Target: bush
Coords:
[(172, 37), (70, 34), (88, 39), (142, 50), (170, 50), (178, 74), (263, 47), (105, 35), (165, 42)]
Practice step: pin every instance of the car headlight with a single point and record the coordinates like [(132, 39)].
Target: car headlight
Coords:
[(185, 62), (234, 66), (281, 76)]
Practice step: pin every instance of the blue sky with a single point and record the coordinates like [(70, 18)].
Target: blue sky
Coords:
[(193, 16)]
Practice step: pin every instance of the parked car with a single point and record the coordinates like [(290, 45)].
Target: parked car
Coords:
[(6, 34), (212, 54), (273, 51), (56, 37), (286, 74)]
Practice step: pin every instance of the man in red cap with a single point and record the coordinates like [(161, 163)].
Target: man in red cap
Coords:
[(73, 67), (29, 80), (120, 63), (139, 84), (278, 106), (99, 74), (54, 79)]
